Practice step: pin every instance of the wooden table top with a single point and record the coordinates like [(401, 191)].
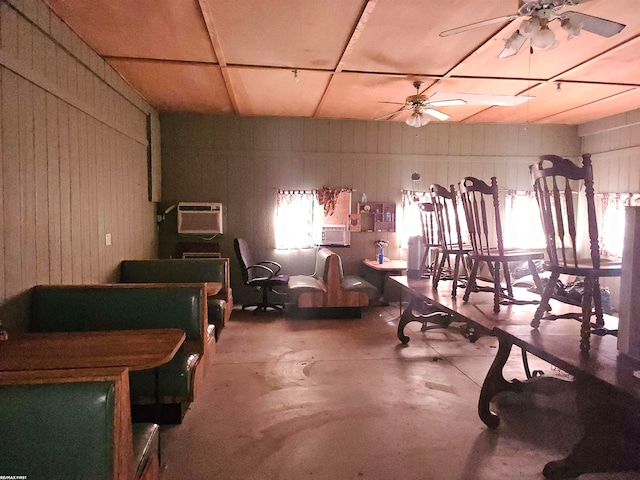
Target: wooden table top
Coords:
[(388, 265), (557, 341), (134, 349), (479, 308)]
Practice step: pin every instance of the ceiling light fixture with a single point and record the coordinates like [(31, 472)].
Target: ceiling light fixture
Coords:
[(571, 27), (544, 39), (417, 119)]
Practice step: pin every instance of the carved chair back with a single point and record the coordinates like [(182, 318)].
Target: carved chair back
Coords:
[(430, 230), (446, 209), (556, 182), (482, 213)]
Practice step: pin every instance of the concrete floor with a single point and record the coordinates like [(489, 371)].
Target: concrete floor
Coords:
[(291, 399)]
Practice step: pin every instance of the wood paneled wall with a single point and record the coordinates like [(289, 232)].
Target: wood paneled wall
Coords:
[(241, 162), (74, 161), (614, 143)]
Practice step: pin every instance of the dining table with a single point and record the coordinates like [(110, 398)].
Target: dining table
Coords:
[(135, 349)]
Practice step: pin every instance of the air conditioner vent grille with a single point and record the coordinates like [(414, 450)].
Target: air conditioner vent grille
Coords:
[(199, 218)]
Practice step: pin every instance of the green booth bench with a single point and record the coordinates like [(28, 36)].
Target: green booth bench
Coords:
[(83, 308), (198, 270), (76, 423)]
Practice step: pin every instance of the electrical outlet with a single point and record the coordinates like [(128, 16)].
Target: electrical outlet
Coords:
[(107, 239)]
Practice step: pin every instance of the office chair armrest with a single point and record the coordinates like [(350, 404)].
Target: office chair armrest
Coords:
[(263, 270), (275, 266)]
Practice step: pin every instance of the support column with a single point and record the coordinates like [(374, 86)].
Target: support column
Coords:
[(629, 324)]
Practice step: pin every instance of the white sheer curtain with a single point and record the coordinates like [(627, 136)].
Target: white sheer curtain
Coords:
[(294, 219), (411, 225), (522, 226), (612, 220)]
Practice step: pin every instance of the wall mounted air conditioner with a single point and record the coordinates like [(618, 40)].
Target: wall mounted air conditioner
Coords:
[(335, 235), (199, 218)]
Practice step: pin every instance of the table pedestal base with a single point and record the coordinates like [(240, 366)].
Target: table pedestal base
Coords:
[(611, 421), (420, 311)]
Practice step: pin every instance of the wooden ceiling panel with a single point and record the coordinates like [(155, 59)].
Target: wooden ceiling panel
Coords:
[(277, 92), (154, 29), (287, 33), (352, 55), (546, 102), (599, 109), (403, 36), (175, 87), (616, 66)]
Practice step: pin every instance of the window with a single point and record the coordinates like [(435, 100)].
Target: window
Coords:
[(301, 215), (522, 227), (612, 219), (411, 225), (294, 219)]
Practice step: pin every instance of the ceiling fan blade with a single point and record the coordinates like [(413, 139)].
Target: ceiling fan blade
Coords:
[(571, 3), (513, 46), (436, 114), (390, 116), (393, 103), (471, 26), (482, 99), (597, 25), (447, 103)]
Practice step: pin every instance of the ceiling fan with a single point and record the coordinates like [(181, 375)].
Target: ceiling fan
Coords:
[(536, 27), (421, 106)]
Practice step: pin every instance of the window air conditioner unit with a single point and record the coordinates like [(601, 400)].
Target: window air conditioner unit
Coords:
[(335, 235), (199, 218)]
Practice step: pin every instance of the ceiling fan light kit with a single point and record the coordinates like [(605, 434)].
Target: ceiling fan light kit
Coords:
[(536, 27), (417, 119)]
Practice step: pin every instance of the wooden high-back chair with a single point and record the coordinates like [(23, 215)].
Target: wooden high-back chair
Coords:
[(482, 212), (430, 234), (552, 178), (451, 242)]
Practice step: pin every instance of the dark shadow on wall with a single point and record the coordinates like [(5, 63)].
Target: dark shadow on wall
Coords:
[(15, 312)]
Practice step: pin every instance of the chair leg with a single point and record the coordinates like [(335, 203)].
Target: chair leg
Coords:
[(472, 280), (597, 303), (544, 301), (497, 288), (536, 278), (456, 274), (585, 325), (439, 263), (424, 268), (507, 278)]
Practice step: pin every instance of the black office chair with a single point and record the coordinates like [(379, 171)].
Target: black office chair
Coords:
[(261, 275)]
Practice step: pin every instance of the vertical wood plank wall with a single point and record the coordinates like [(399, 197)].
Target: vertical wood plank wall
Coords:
[(73, 164), (241, 162), (614, 143)]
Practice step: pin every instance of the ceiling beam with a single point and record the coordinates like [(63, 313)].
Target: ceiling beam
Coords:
[(217, 48), (365, 14)]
